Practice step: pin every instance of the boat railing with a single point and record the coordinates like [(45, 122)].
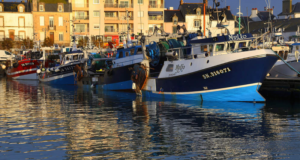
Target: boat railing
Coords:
[(129, 62)]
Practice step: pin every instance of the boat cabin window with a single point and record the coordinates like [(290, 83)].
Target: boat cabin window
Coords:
[(80, 56), (220, 47), (126, 54), (170, 68), (231, 46), (249, 44), (204, 48), (120, 55), (139, 51), (132, 51), (283, 54), (75, 57), (242, 44), (7, 53)]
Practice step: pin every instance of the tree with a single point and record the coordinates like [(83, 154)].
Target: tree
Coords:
[(96, 42), (28, 43), (48, 42), (82, 42), (7, 44)]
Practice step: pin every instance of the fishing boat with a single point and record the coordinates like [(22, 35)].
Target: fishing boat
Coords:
[(287, 65), (26, 68), (222, 68), (68, 72)]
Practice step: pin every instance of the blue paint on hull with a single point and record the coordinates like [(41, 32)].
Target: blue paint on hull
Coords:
[(68, 80), (242, 94)]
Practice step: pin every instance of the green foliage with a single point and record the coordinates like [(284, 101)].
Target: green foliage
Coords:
[(7, 44), (54, 1), (28, 43)]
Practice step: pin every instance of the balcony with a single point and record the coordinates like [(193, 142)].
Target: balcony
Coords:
[(108, 29), (111, 18), (81, 17), (112, 5), (155, 18), (81, 30), (155, 6), (51, 27)]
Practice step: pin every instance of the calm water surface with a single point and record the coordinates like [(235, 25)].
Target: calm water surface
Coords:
[(43, 122)]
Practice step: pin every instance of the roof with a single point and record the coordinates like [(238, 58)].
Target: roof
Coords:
[(265, 15), (244, 21), (170, 13), (289, 25), (227, 13), (53, 7), (190, 8), (295, 9), (13, 6), (236, 37)]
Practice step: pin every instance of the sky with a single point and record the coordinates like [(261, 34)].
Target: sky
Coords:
[(234, 4)]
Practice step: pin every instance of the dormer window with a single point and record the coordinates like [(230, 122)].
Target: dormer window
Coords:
[(41, 7), (175, 19), (21, 9), (59, 8), (0, 8), (198, 11)]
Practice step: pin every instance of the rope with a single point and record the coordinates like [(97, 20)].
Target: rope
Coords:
[(292, 68)]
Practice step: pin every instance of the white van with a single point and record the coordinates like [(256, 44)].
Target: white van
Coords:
[(4, 55)]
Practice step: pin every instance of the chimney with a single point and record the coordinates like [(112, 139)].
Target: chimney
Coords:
[(228, 8), (287, 6), (181, 2), (34, 5), (254, 12), (270, 10), (171, 8)]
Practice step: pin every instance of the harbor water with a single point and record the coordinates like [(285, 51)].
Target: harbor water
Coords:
[(66, 122)]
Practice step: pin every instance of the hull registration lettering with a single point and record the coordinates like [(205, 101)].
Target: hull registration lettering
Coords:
[(216, 73)]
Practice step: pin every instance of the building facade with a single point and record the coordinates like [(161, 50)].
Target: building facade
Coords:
[(16, 21), (52, 20), (289, 10)]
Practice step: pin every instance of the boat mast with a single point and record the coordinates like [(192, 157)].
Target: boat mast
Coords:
[(239, 13), (204, 10)]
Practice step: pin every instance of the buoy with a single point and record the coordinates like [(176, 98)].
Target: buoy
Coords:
[(38, 71)]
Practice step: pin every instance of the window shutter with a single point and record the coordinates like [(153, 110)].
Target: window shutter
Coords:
[(42, 20), (1, 21), (21, 22), (61, 21)]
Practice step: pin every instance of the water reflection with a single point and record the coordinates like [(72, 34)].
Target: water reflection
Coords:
[(40, 121)]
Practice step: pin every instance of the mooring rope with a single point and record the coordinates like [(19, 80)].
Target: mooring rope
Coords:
[(292, 68)]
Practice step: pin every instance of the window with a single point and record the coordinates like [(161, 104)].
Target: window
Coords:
[(21, 9), (231, 46), (79, 27), (170, 68), (61, 36), (242, 44), (197, 23), (96, 1), (109, 14), (120, 53), (22, 35), (141, 14), (140, 1), (220, 47), (42, 36), (204, 48), (21, 22), (152, 4), (0, 8), (41, 8), (109, 39), (174, 29), (42, 21), (96, 13), (175, 20), (7, 53), (109, 29), (1, 21), (124, 4), (141, 25), (198, 11), (96, 26), (60, 8), (51, 22), (60, 21), (132, 52), (126, 54)]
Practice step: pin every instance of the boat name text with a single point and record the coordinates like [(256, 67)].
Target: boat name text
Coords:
[(27, 64), (237, 37)]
